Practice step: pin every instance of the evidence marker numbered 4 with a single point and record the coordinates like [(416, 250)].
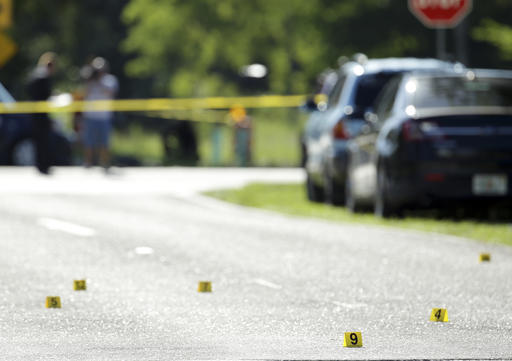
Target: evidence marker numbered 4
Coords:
[(353, 339), (439, 315)]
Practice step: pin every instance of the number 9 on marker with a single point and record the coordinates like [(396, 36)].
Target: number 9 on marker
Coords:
[(353, 339)]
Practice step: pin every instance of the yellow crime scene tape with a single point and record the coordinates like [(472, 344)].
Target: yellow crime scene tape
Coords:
[(156, 104)]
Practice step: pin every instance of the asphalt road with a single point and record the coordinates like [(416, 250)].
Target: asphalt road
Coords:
[(283, 287)]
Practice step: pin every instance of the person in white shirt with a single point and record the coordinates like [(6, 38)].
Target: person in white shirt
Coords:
[(98, 124)]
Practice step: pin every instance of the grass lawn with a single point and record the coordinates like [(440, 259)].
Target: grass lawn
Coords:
[(275, 139), (138, 142), (291, 199)]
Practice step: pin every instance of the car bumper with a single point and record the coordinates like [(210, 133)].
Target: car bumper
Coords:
[(425, 187)]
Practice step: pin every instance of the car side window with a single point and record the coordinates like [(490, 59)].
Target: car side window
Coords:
[(385, 101), (335, 94)]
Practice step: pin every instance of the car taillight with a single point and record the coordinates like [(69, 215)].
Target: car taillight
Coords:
[(411, 131), (434, 177), (339, 131)]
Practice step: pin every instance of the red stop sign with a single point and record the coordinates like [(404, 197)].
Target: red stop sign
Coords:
[(440, 13)]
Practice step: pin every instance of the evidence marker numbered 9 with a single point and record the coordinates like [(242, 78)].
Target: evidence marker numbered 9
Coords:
[(353, 339)]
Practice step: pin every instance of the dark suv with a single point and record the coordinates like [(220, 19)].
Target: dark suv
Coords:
[(332, 124)]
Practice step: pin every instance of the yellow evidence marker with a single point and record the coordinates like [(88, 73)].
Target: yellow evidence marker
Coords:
[(485, 257), (204, 286), (53, 302), (439, 315), (353, 339), (79, 285)]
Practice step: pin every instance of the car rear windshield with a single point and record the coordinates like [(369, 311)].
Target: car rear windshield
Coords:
[(462, 91), (368, 87)]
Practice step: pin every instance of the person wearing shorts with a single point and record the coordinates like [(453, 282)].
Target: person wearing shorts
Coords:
[(97, 125)]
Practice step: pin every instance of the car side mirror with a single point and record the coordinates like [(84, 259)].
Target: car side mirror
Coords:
[(315, 103), (310, 105)]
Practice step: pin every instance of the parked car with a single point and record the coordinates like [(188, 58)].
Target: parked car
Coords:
[(16, 144), (333, 123), (435, 137)]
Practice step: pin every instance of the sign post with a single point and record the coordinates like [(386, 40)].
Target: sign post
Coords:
[(440, 15)]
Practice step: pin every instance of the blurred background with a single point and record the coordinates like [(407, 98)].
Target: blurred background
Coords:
[(202, 48)]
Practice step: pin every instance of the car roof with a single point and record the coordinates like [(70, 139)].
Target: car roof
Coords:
[(398, 65), (464, 72), (492, 73)]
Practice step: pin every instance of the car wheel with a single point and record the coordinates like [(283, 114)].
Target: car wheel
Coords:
[(314, 192), (334, 193), (23, 153), (383, 207), (351, 201)]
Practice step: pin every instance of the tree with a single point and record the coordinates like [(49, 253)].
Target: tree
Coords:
[(496, 34), (197, 47), (75, 30)]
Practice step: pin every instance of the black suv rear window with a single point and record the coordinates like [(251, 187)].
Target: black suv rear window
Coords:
[(368, 87), (461, 91)]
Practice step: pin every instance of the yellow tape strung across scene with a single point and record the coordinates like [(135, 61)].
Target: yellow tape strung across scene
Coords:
[(157, 104)]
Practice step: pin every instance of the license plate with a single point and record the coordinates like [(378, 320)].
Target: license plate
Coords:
[(490, 184)]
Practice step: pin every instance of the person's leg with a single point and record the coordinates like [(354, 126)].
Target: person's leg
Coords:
[(88, 141), (88, 157), (104, 149), (105, 157), (42, 143)]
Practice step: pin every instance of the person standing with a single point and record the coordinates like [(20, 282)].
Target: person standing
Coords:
[(97, 125), (40, 89), (242, 136)]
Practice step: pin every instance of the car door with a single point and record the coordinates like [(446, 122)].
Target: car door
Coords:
[(363, 149)]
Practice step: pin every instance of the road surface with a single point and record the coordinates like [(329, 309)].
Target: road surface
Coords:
[(283, 287)]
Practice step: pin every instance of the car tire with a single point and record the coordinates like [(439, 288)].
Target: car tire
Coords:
[(351, 201), (314, 192), (383, 207), (334, 193)]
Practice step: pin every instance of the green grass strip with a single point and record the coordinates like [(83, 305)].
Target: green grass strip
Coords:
[(291, 199)]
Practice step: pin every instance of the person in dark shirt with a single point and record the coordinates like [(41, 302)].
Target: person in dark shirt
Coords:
[(40, 89)]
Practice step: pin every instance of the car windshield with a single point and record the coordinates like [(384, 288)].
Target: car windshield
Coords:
[(368, 88), (460, 91)]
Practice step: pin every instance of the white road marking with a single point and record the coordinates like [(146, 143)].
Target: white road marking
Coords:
[(268, 284), (71, 228), (143, 251), (349, 305)]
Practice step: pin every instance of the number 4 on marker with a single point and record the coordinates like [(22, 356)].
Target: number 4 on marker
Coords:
[(439, 315), (353, 339)]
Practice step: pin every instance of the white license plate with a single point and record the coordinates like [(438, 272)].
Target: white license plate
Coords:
[(490, 184)]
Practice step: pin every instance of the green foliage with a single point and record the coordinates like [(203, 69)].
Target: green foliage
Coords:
[(75, 30), (497, 34), (139, 143), (197, 47)]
